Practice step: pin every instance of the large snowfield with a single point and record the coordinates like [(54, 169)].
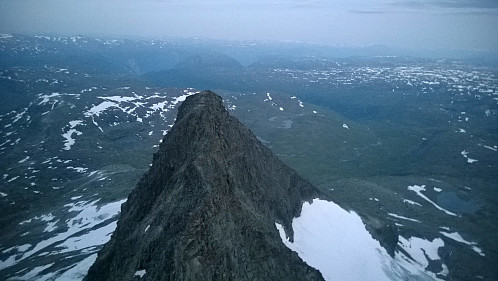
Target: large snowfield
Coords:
[(335, 242)]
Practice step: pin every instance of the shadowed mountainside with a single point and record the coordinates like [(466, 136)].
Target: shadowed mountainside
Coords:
[(207, 208)]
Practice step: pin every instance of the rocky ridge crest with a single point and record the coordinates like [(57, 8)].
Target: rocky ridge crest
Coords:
[(206, 209)]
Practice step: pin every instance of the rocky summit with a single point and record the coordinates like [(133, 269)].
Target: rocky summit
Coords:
[(207, 208)]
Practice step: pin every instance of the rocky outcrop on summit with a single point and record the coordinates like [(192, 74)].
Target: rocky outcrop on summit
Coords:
[(206, 209)]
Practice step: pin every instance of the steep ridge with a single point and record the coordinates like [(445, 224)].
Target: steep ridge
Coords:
[(207, 208)]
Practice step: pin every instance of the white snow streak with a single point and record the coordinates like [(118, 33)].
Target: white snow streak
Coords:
[(419, 188), (457, 237), (401, 217)]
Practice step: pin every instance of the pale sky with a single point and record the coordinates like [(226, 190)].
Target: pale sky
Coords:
[(424, 24)]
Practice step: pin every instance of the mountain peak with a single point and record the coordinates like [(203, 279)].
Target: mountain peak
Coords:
[(202, 101), (207, 208)]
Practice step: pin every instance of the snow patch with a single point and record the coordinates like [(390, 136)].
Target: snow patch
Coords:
[(418, 190), (457, 237), (69, 139), (402, 217), (75, 123), (469, 160), (140, 273), (412, 202), (180, 99), (494, 148), (77, 169), (421, 250), (335, 242), (96, 110), (81, 234), (23, 160)]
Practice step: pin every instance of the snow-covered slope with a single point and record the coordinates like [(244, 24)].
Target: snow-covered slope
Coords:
[(335, 242)]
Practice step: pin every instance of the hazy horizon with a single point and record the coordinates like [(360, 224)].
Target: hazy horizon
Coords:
[(416, 24)]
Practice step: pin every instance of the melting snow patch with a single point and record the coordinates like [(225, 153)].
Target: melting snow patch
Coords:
[(75, 123), (98, 109), (335, 242), (412, 202), (180, 99), (494, 148), (78, 169), (23, 160), (90, 227), (465, 155), (140, 273), (401, 217), (457, 237), (19, 115), (478, 250), (46, 98), (470, 160), (419, 188), (421, 250), (51, 226), (69, 139), (13, 179), (23, 248)]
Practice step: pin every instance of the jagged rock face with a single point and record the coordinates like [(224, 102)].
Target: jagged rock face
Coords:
[(206, 209)]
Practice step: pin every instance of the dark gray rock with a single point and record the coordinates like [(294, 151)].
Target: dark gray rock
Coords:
[(383, 231), (206, 209)]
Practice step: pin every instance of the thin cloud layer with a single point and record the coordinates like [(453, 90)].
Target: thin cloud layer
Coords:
[(417, 24), (461, 4)]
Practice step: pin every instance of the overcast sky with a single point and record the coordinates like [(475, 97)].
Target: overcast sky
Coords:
[(428, 24)]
